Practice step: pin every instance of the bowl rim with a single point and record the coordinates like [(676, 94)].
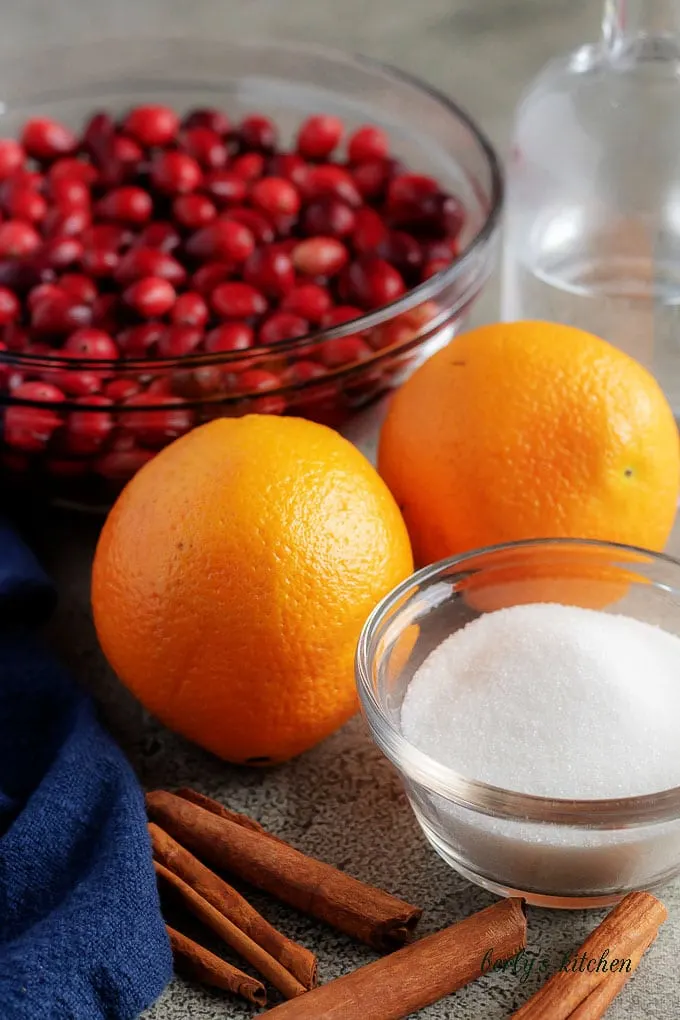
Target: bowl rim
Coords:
[(423, 292), (473, 794)]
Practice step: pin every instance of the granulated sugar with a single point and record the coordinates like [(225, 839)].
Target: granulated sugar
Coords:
[(552, 700)]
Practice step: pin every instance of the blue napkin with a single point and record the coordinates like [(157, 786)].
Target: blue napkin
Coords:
[(81, 934)]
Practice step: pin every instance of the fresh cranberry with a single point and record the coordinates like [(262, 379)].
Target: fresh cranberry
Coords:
[(225, 188), (106, 235), (329, 216), (249, 166), (230, 336), (319, 135), (29, 428), (86, 431), (159, 234), (100, 262), (344, 350), (257, 132), (282, 326), (137, 341), (372, 178), (289, 165), (369, 231), (178, 341), (238, 301), (21, 180), (394, 333), (42, 291), (257, 380), (120, 390), (213, 120), (434, 266), (158, 426), (9, 306), (65, 222), (372, 282), (275, 196), (17, 239), (221, 241), (308, 300), (77, 381), (190, 310), (193, 211), (61, 251), (36, 392), (330, 180), (206, 147), (45, 139), (340, 314), (21, 275), (403, 252), (208, 276), (303, 371), (151, 297), (119, 465), (98, 141), (59, 315), (152, 125), (259, 226), (70, 193), (367, 142), (270, 270), (105, 312), (92, 344), (71, 169), (320, 256), (175, 173), (128, 204), (410, 189), (126, 150), (28, 205), (140, 262), (12, 157), (80, 288)]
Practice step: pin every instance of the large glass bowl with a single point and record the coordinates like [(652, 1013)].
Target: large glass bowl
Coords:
[(555, 852), (428, 132)]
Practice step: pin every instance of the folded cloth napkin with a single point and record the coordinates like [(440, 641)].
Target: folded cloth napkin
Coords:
[(81, 933)]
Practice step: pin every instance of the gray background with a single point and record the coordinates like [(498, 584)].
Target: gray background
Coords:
[(341, 801)]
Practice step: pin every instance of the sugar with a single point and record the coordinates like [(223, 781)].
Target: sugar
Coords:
[(552, 700)]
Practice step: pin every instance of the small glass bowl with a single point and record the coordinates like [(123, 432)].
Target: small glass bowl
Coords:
[(428, 132), (554, 852)]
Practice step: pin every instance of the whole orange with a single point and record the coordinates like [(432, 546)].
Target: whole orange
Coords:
[(232, 579), (530, 430)]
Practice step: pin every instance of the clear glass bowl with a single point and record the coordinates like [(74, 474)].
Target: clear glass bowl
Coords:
[(554, 852), (428, 132)]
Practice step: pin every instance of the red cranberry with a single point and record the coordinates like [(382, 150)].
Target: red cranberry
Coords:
[(372, 282), (318, 136), (20, 275), (404, 253), (71, 169), (100, 262), (65, 222), (119, 465), (45, 139), (289, 165), (79, 287), (434, 266), (303, 371), (17, 239), (371, 178), (249, 166), (92, 344), (394, 333), (340, 314), (225, 188), (61, 251), (137, 341), (70, 193), (9, 306), (206, 147), (231, 336), (98, 141), (156, 427), (208, 276), (106, 235), (12, 157), (319, 256), (159, 235), (120, 390), (275, 196), (31, 428), (367, 142), (190, 310), (344, 350), (282, 326), (238, 301), (369, 231), (151, 297), (126, 205), (221, 241), (257, 132), (257, 380), (175, 173), (178, 341), (213, 120), (308, 300), (410, 189), (193, 211), (269, 270), (140, 262), (21, 180), (152, 125), (86, 431), (28, 205), (105, 312), (59, 315), (42, 291), (330, 180), (329, 216), (257, 224), (126, 150)]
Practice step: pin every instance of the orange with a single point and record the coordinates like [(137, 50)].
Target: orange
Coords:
[(530, 430), (232, 579)]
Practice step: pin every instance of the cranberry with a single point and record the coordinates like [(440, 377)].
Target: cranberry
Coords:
[(79, 287), (249, 166), (404, 253), (105, 312), (275, 196), (20, 275), (190, 310), (231, 336), (396, 332), (206, 147), (372, 178), (270, 270), (100, 262), (257, 380), (71, 169), (92, 344), (12, 157), (329, 216), (178, 341), (126, 150), (237, 301), (225, 188), (69, 192), (410, 189), (77, 382), (86, 431), (155, 427), (26, 204), (289, 165), (31, 428), (45, 139), (126, 205), (152, 125), (59, 315), (65, 222), (282, 326), (106, 235), (318, 136), (223, 240), (320, 256), (257, 132), (61, 251), (372, 282), (434, 266), (175, 173), (9, 306), (259, 226), (193, 211), (42, 291), (208, 276), (329, 180), (340, 314), (367, 142), (344, 350), (120, 390), (152, 296), (98, 142), (137, 341), (140, 262), (159, 235), (17, 239), (213, 120), (369, 231), (119, 465), (304, 371), (308, 300)]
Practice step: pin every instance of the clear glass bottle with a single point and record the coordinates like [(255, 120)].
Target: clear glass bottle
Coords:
[(592, 233)]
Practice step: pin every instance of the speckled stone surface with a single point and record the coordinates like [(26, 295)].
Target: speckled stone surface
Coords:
[(341, 802)]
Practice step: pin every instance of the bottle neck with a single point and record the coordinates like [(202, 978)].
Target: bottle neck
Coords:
[(626, 23)]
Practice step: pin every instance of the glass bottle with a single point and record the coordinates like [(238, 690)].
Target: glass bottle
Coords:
[(593, 214)]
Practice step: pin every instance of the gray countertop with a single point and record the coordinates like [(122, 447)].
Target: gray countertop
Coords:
[(341, 802)]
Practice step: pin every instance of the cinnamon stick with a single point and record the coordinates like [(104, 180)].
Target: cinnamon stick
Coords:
[(295, 958), (624, 933), (601, 998), (219, 809), (318, 889), (265, 964), (417, 975), (204, 966)]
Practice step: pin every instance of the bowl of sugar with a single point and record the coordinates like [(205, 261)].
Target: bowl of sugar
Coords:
[(529, 695)]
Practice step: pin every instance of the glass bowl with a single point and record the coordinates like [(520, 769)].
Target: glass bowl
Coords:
[(554, 852), (429, 133)]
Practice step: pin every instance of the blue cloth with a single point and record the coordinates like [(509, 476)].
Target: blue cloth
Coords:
[(81, 934)]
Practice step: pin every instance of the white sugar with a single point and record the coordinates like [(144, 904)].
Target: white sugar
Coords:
[(552, 700)]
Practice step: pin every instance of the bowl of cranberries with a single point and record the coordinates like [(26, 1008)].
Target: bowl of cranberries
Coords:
[(192, 230)]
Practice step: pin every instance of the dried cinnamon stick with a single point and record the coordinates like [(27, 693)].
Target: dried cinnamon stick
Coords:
[(204, 966), (219, 809), (295, 958), (265, 964), (623, 934), (315, 888), (417, 975), (601, 998)]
